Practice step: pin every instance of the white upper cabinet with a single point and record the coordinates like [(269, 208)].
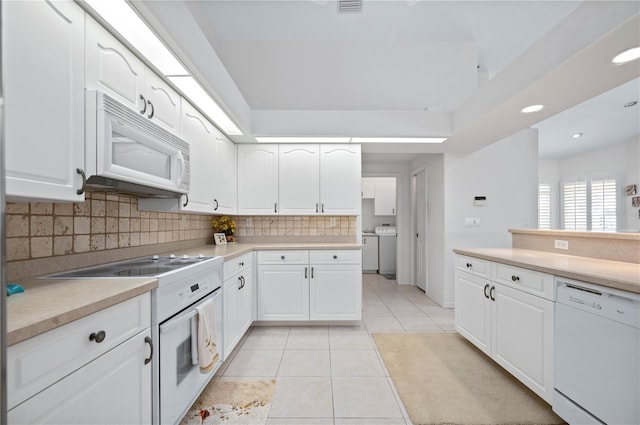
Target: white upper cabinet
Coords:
[(225, 195), (43, 73), (385, 196), (115, 70), (368, 188), (199, 133), (299, 179), (340, 174), (258, 179)]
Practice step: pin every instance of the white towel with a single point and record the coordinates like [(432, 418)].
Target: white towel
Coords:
[(207, 344)]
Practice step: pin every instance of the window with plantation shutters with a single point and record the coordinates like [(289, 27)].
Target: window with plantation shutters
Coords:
[(590, 204), (544, 206), (604, 209), (574, 205)]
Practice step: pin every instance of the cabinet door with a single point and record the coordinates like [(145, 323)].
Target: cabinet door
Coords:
[(473, 309), (283, 292), (385, 197), (368, 188), (299, 182), (90, 395), (43, 67), (523, 338), (340, 179), (247, 302), (198, 132), (113, 69), (258, 179), (335, 292), (369, 253), (165, 103), (231, 308), (226, 175)]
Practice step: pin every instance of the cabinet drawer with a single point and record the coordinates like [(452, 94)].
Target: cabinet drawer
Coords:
[(474, 265), (38, 362), (352, 256), (530, 281), (236, 265), (283, 257)]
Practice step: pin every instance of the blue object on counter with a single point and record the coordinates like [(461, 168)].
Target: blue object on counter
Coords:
[(14, 289)]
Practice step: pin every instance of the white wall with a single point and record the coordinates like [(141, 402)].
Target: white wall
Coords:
[(400, 170), (370, 221), (622, 159), (549, 172)]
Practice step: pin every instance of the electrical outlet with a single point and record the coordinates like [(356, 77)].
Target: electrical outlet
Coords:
[(332, 222), (561, 244), (472, 222), (249, 222)]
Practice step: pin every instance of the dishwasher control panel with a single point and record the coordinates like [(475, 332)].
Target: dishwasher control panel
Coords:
[(612, 304)]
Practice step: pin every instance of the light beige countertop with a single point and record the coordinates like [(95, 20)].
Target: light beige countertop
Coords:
[(232, 250), (48, 303), (613, 274)]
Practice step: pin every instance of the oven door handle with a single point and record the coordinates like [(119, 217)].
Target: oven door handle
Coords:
[(171, 325), (194, 338)]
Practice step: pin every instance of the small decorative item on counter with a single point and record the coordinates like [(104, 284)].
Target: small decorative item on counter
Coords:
[(225, 224), (14, 289), (219, 239), (630, 190)]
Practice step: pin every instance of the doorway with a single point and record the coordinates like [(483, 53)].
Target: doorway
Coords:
[(420, 226)]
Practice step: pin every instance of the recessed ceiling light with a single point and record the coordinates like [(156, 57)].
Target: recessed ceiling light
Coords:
[(630, 104), (577, 135), (532, 108), (626, 56)]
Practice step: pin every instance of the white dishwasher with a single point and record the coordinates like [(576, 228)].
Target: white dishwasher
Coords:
[(596, 354)]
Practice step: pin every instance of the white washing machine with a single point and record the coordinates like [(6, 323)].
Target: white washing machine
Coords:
[(387, 236)]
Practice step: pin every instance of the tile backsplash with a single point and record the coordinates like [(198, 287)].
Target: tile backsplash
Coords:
[(102, 222), (286, 228)]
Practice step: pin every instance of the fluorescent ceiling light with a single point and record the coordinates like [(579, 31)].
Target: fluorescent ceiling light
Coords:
[(532, 108), (124, 20), (302, 139), (190, 87), (626, 56), (398, 139)]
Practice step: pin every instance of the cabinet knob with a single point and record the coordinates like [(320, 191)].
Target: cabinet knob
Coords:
[(241, 263), (282, 257), (468, 265), (515, 278), (98, 337), (335, 257)]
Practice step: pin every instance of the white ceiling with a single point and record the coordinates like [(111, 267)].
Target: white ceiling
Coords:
[(461, 69)]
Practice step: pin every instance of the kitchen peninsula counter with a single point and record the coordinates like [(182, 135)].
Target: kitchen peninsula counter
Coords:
[(613, 274)]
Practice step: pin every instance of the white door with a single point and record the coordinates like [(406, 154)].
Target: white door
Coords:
[(369, 253), (226, 177), (113, 389), (197, 131), (420, 180), (258, 179), (335, 292), (283, 292), (473, 309), (43, 82), (340, 177), (299, 183), (385, 196)]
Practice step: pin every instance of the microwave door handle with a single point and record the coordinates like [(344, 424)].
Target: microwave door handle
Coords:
[(194, 339), (183, 169)]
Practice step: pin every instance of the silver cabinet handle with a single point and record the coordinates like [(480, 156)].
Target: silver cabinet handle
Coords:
[(187, 201), (153, 109), (316, 207), (393, 210), (323, 208), (239, 283), (485, 291), (311, 272), (275, 208), (216, 207), (364, 241), (305, 272), (84, 181), (493, 288)]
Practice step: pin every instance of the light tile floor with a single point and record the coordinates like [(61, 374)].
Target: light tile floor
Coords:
[(334, 375)]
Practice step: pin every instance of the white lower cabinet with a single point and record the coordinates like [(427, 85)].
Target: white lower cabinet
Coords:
[(238, 300), (94, 370), (512, 326), (309, 285)]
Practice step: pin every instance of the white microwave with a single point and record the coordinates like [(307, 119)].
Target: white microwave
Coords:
[(127, 152)]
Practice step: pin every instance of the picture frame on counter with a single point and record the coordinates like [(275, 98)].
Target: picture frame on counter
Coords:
[(635, 201), (220, 238)]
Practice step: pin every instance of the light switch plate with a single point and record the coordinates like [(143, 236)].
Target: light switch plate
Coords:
[(561, 244)]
